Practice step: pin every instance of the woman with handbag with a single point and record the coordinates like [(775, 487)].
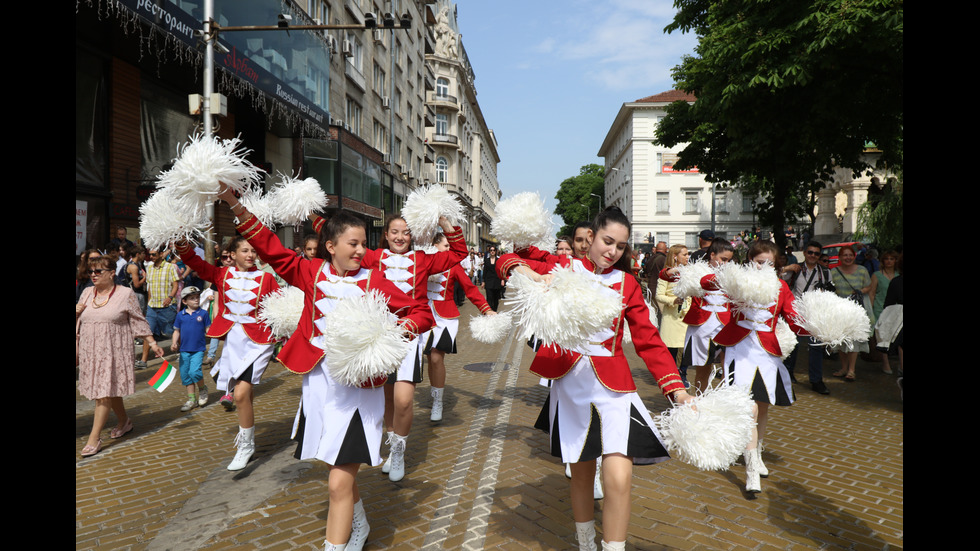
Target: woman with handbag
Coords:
[(852, 282)]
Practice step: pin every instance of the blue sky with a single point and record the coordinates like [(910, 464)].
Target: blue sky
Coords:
[(551, 76)]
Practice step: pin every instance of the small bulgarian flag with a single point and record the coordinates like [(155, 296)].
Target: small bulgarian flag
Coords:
[(163, 377)]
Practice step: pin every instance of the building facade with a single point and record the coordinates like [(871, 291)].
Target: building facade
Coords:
[(348, 107), (664, 204), (465, 148)]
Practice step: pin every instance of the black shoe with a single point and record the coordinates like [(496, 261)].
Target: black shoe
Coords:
[(792, 377), (819, 387)]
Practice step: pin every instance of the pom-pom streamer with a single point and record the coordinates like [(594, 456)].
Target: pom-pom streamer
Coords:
[(566, 312), (689, 279), (751, 284), (523, 220), (711, 431), (293, 200), (164, 219), (365, 341), (491, 329), (424, 206), (832, 320), (281, 311)]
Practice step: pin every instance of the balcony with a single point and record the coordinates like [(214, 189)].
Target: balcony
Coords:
[(443, 100), (446, 140), (354, 75)]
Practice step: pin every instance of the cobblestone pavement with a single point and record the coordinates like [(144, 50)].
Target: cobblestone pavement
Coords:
[(483, 478)]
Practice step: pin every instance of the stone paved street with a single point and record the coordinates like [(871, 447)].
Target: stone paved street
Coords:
[(483, 478)]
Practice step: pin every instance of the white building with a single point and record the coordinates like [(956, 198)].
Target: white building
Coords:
[(466, 155), (664, 204)]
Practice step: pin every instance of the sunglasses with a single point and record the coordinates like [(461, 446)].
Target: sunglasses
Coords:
[(98, 271)]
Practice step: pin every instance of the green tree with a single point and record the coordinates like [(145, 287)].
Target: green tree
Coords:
[(883, 221), (576, 202), (786, 90)]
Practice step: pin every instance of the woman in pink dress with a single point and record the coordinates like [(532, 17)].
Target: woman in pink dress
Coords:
[(107, 317)]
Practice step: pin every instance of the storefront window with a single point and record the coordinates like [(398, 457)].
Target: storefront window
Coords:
[(90, 120)]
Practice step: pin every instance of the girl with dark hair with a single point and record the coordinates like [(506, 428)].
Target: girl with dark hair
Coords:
[(441, 340), (338, 424), (593, 407), (249, 344), (753, 358), (409, 270), (705, 318)]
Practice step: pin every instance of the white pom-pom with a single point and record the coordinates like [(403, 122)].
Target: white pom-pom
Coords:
[(491, 329), (294, 200), (164, 219), (689, 279), (424, 206), (785, 337), (281, 311), (365, 340), (566, 312), (711, 431), (262, 206), (523, 220), (204, 162), (748, 285), (832, 320)]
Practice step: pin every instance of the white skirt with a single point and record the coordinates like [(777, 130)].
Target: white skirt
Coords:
[(238, 354), (699, 349), (748, 364), (442, 336), (587, 420), (336, 423), (410, 369)]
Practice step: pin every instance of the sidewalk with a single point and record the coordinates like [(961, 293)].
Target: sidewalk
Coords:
[(483, 478)]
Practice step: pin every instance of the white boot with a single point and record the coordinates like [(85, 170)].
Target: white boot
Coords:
[(359, 528), (436, 414), (327, 546), (568, 470), (245, 441), (752, 482), (386, 466), (613, 545), (597, 485), (585, 532), (397, 458), (763, 470)]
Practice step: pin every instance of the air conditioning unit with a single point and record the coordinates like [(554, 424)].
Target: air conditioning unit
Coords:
[(410, 174), (386, 102), (379, 36), (336, 122), (347, 48), (332, 44), (387, 158), (347, 126)]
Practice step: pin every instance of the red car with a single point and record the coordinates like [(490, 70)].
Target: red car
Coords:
[(833, 249)]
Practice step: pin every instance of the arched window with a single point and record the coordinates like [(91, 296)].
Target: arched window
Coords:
[(442, 170)]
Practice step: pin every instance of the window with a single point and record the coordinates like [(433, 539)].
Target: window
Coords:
[(379, 80), (747, 204), (380, 137), (442, 87), (396, 101), (442, 124), (691, 203), (357, 49), (691, 241), (353, 115), (721, 202), (442, 170), (663, 202), (398, 151), (662, 236)]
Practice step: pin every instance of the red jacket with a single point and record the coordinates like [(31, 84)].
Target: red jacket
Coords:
[(218, 276), (299, 354), (740, 325), (441, 293), (613, 371)]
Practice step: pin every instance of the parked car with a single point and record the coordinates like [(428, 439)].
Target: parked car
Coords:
[(832, 250)]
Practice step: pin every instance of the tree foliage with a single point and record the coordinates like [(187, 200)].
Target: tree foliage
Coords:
[(575, 201), (786, 89), (883, 221)]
